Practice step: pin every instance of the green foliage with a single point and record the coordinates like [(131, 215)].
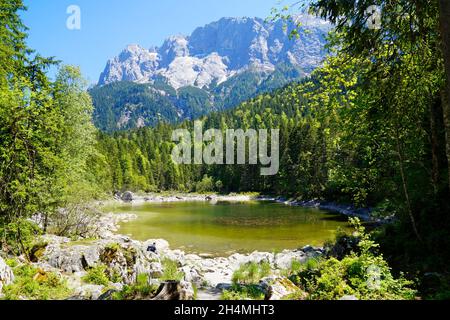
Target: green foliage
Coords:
[(114, 101), (35, 284), (18, 237), (170, 271), (294, 269), (206, 185), (138, 291), (97, 275), (365, 275), (251, 273)]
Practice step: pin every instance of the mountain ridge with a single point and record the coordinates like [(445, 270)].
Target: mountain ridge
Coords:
[(219, 50), (218, 66)]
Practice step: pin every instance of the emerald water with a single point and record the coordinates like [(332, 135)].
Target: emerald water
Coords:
[(227, 227)]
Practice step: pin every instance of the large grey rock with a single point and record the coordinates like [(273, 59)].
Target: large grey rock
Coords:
[(76, 258), (191, 275), (128, 196), (69, 260), (186, 291), (126, 259), (277, 288), (175, 255), (238, 259), (284, 259), (89, 292), (6, 274)]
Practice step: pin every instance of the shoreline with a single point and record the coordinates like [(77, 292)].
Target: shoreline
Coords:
[(364, 214)]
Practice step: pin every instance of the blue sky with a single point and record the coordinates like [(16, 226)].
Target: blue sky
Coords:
[(107, 26)]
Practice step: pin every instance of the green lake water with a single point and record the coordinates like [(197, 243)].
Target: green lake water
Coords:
[(226, 227)]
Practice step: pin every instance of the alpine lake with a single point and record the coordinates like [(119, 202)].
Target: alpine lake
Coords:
[(224, 228)]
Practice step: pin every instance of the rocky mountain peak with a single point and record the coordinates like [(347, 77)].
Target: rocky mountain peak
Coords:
[(219, 50)]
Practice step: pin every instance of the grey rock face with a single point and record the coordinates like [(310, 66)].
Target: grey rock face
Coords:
[(89, 292), (6, 274), (214, 53), (126, 260), (134, 63), (127, 196), (284, 260), (277, 288)]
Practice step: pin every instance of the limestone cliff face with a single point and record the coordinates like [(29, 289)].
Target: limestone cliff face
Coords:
[(220, 50)]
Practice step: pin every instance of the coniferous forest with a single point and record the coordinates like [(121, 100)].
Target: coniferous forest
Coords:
[(369, 128)]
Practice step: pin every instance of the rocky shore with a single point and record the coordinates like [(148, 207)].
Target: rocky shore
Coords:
[(130, 197), (364, 214), (127, 259)]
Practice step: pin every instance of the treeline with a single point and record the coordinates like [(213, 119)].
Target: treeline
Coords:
[(141, 160)]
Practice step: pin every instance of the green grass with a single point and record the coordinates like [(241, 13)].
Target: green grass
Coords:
[(251, 273), (295, 268)]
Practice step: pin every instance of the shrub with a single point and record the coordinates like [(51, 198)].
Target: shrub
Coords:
[(35, 284), (140, 290), (219, 186), (206, 185), (294, 269), (17, 237), (365, 275), (97, 275), (77, 220), (170, 271), (246, 292)]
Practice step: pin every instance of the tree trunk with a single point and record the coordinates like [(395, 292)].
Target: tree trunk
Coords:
[(444, 18), (401, 159), (173, 290), (434, 139), (168, 291)]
